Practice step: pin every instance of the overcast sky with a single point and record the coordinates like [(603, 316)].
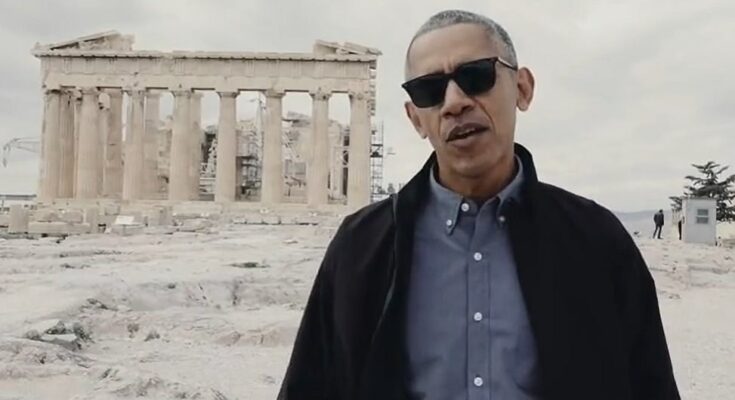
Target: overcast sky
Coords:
[(628, 92)]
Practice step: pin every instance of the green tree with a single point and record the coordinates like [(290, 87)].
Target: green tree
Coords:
[(709, 185), (676, 202)]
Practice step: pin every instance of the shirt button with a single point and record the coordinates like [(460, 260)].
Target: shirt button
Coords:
[(465, 207), (478, 381), (478, 316), (449, 222), (501, 219), (477, 256)]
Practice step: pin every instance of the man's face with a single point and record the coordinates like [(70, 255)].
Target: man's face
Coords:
[(492, 113)]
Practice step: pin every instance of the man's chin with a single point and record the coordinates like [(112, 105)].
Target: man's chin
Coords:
[(471, 168)]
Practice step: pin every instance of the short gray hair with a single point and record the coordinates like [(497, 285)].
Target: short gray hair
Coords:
[(447, 18)]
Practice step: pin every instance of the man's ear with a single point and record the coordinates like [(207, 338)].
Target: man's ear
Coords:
[(526, 86), (412, 115)]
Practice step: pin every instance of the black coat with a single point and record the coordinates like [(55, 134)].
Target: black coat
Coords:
[(658, 219), (590, 298)]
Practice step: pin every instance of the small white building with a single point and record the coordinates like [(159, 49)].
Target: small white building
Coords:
[(700, 221)]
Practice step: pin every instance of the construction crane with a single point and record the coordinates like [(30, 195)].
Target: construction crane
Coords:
[(29, 144)]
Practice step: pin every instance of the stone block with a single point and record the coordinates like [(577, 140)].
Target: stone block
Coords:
[(68, 341), (307, 220), (125, 230), (45, 326), (111, 209), (19, 219), (72, 217), (92, 217), (167, 217), (289, 220), (158, 216), (107, 220), (197, 209), (46, 215), (133, 218), (271, 220), (253, 219), (58, 228), (195, 225), (4, 220)]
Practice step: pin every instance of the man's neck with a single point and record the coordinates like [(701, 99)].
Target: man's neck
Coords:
[(479, 189)]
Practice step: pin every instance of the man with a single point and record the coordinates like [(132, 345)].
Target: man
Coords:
[(680, 225), (658, 219), (477, 281)]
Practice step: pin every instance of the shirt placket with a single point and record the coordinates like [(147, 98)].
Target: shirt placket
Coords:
[(478, 333)]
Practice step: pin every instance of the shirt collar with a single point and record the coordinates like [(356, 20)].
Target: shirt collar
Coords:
[(450, 202)]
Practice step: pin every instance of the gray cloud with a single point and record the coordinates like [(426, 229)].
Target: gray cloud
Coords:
[(629, 93)]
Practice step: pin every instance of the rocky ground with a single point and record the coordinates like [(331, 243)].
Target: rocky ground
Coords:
[(212, 314)]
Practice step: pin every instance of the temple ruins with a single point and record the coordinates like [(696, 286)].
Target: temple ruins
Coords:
[(109, 162), (88, 153)]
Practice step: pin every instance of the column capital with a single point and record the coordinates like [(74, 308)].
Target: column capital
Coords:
[(357, 95), (152, 94), (320, 94), (76, 94), (275, 93), (51, 91), (134, 92), (196, 95), (113, 92), (179, 92), (52, 86), (89, 91), (228, 93)]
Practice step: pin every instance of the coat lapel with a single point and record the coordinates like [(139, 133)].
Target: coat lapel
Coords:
[(384, 376), (536, 262)]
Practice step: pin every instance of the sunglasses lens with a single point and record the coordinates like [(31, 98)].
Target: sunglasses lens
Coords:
[(476, 78), (427, 91), (473, 78)]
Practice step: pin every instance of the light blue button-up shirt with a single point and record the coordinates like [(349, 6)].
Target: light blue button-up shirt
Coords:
[(468, 334)]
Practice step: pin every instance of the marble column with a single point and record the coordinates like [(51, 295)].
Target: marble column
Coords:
[(358, 174), (178, 184), (112, 185), (195, 137), (77, 100), (336, 175), (150, 143), (66, 146), (103, 126), (90, 144), (317, 162), (226, 178), (50, 157), (272, 173), (134, 159), (19, 218)]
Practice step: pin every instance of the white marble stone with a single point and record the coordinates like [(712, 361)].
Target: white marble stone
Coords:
[(134, 157), (88, 166), (272, 177), (226, 178)]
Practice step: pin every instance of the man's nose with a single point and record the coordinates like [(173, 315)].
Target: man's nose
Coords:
[(456, 101)]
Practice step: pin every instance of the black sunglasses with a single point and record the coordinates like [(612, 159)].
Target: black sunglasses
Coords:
[(474, 77)]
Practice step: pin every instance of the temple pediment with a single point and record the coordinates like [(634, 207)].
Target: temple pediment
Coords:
[(110, 40)]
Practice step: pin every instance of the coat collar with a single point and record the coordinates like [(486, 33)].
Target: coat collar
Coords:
[(415, 191)]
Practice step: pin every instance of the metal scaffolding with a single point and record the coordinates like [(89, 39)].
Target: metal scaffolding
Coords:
[(377, 157)]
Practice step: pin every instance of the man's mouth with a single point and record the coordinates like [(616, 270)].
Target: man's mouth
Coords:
[(464, 131)]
